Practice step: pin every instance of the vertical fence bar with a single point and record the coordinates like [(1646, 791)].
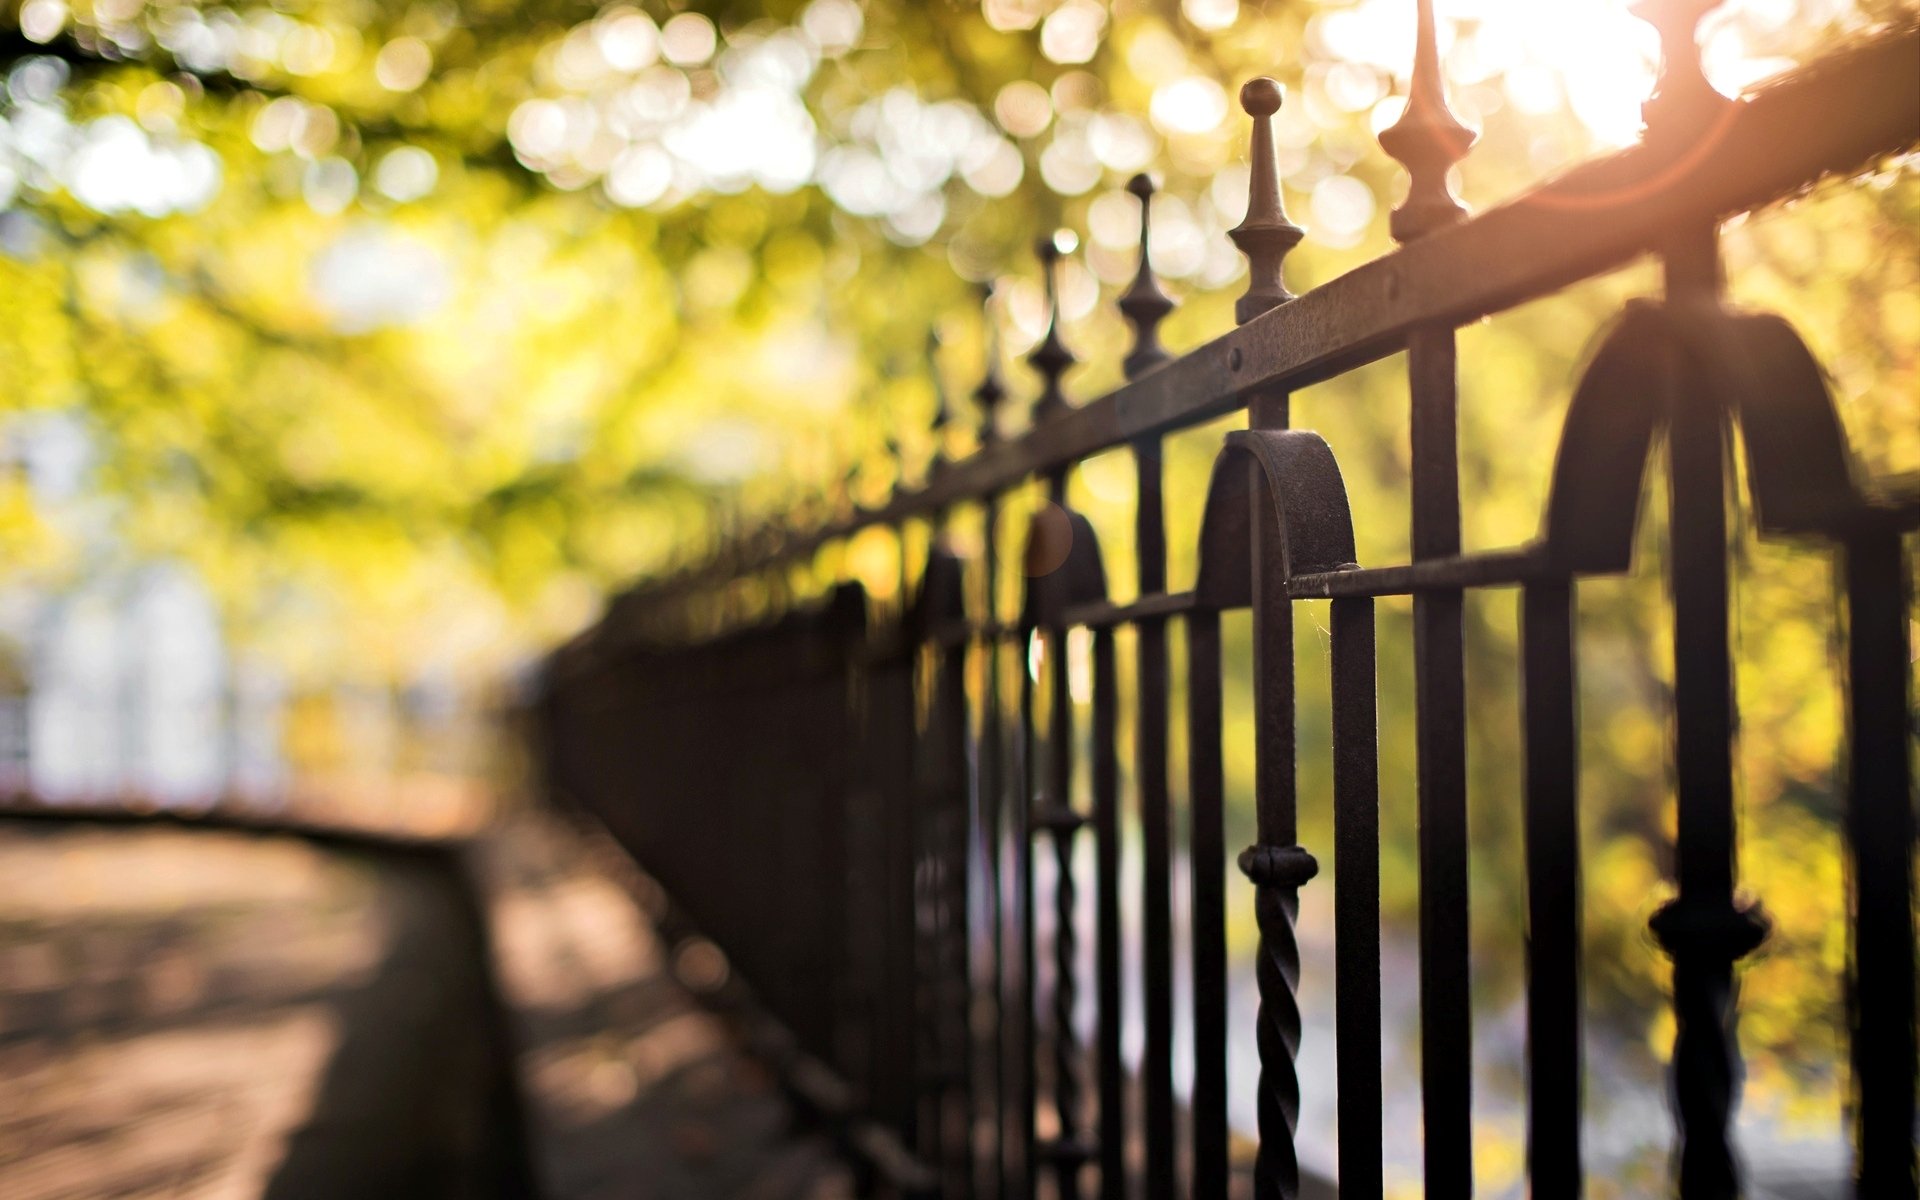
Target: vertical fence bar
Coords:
[(1705, 1064), (1552, 756), (992, 775), (1055, 812), (993, 801), (926, 807), (1020, 1030), (888, 702), (956, 1106), (1356, 896), (865, 832), (1275, 865), (1156, 829), (1428, 139), (1880, 832), (1105, 769), (990, 1059), (1207, 848), (989, 785), (944, 602), (1702, 929), (1145, 305), (1446, 1004), (1063, 823)]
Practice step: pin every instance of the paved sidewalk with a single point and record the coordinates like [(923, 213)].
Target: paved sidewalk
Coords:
[(635, 1091), (207, 1013), (190, 1012)]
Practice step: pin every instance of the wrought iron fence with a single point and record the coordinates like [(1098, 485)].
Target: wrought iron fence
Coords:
[(851, 799)]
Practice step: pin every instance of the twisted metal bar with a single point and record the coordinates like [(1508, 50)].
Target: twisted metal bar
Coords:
[(1062, 823), (1278, 873), (1705, 939), (1067, 1150)]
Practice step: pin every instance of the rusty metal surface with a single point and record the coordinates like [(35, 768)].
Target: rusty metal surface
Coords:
[(860, 799), (1836, 116)]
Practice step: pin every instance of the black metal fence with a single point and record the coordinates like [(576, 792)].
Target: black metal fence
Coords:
[(850, 799)]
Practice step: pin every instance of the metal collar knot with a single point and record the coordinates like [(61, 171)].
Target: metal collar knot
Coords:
[(1709, 930), (1278, 866)]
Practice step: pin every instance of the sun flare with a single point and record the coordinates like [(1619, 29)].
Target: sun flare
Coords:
[(1593, 56)]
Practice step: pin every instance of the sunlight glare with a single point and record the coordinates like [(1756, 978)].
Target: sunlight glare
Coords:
[(1595, 54), (1195, 104)]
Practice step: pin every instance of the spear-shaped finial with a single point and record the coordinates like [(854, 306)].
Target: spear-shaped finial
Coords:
[(1265, 236), (1051, 358), (1427, 139), (991, 391), (1143, 304), (1682, 89), (942, 414)]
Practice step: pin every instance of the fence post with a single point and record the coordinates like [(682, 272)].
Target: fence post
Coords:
[(1145, 305), (1429, 140), (1275, 865)]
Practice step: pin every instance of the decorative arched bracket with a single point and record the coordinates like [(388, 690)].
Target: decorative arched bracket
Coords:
[(1619, 404), (1754, 369), (1800, 473), (1063, 567), (1276, 508), (1303, 483)]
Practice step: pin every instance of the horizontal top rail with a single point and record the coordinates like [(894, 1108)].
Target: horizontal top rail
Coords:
[(1833, 116)]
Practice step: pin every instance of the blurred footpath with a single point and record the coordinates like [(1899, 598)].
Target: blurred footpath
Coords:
[(203, 1012)]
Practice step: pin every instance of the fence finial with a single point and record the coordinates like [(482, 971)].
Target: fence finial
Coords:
[(1681, 88), (988, 395), (1144, 304), (1427, 139), (1265, 236), (1050, 358), (942, 417)]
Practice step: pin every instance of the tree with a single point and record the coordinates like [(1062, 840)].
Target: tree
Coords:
[(419, 327)]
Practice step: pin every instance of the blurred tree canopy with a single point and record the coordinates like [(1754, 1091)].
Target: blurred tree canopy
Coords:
[(416, 327)]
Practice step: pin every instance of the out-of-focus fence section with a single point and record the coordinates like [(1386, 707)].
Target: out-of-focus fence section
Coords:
[(851, 798)]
